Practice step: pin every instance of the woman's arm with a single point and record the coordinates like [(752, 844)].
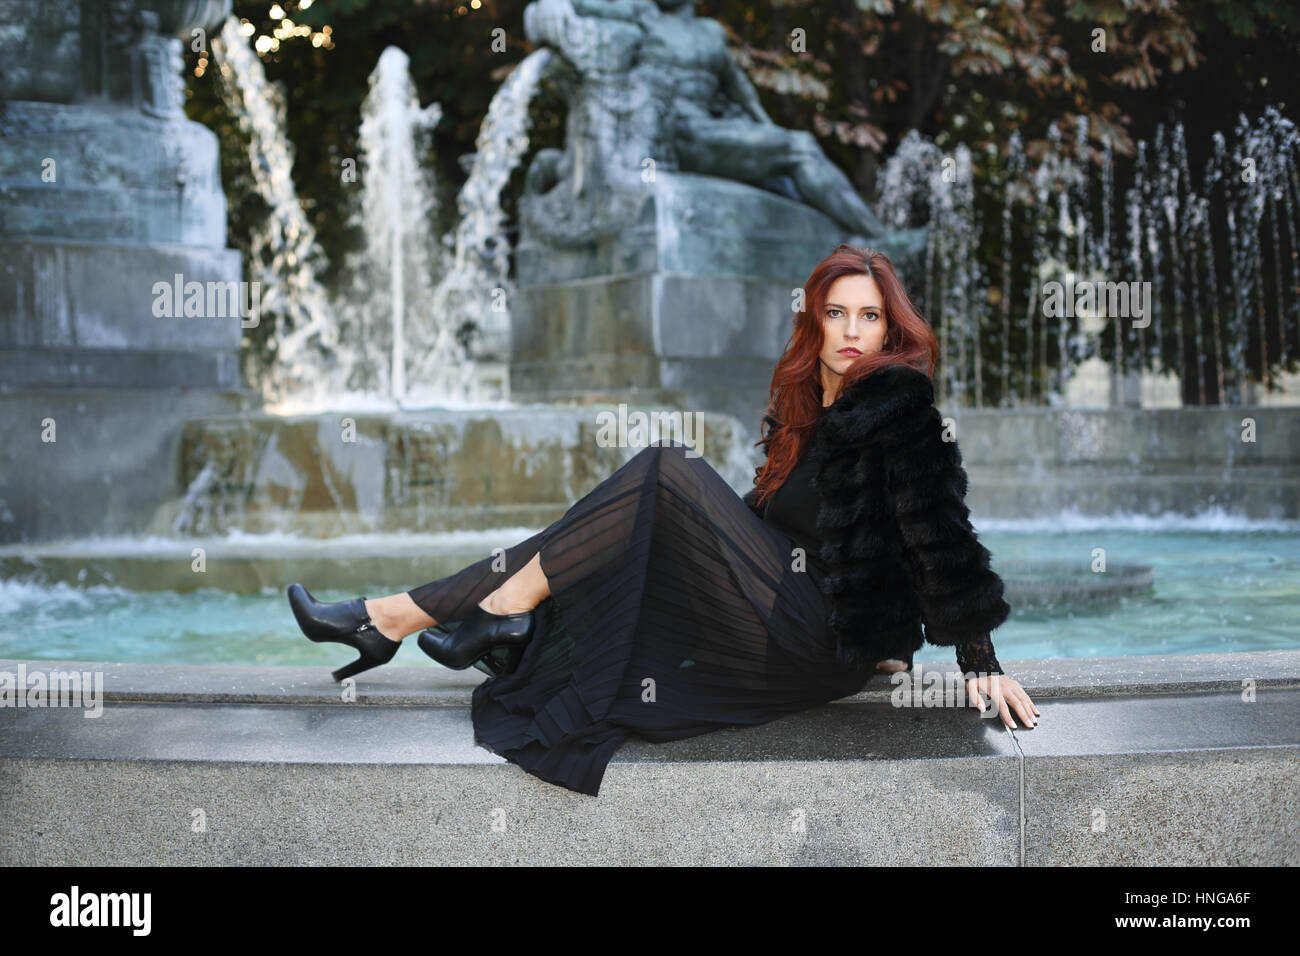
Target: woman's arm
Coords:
[(961, 596)]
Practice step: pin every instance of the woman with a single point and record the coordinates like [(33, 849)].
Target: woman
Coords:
[(662, 604)]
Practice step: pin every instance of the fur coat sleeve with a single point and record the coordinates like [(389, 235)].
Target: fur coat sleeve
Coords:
[(961, 597), (896, 529)]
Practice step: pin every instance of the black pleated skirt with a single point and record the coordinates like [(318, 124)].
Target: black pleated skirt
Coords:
[(674, 611)]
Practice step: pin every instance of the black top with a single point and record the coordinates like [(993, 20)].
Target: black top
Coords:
[(792, 510)]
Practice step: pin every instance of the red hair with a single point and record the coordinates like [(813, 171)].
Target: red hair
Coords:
[(795, 396)]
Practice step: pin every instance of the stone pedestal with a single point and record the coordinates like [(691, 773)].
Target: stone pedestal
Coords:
[(111, 217), (82, 314), (101, 206), (689, 305)]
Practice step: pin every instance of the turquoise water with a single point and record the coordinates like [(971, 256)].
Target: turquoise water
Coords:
[(1215, 591)]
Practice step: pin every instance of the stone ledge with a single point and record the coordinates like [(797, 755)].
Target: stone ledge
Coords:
[(63, 367), (675, 814), (430, 685), (1175, 778)]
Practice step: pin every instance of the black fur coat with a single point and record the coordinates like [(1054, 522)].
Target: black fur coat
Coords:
[(895, 528)]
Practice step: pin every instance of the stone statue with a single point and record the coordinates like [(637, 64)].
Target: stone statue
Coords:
[(154, 64), (94, 141), (656, 87)]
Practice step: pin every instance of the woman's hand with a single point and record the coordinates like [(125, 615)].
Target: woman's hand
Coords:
[(1005, 692)]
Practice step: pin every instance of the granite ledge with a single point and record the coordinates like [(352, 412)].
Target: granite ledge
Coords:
[(431, 686)]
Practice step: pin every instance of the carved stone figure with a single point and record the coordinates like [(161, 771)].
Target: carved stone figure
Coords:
[(652, 86)]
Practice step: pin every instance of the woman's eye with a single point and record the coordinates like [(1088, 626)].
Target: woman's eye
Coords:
[(829, 311)]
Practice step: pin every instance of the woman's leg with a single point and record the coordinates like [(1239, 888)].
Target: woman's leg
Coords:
[(397, 615), (515, 581), (497, 581), (522, 591)]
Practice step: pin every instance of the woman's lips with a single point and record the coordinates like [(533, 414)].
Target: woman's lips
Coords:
[(853, 352)]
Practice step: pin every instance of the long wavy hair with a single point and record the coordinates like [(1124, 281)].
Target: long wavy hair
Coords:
[(795, 395)]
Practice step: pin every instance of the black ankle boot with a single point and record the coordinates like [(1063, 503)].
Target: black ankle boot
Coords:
[(345, 622), (495, 641)]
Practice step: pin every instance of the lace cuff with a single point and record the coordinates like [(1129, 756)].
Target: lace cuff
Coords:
[(977, 655)]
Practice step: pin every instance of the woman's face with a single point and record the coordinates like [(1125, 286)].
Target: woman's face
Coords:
[(853, 318)]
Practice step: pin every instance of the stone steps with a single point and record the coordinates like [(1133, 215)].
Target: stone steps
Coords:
[(250, 567)]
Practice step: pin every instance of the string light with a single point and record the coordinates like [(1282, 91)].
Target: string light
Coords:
[(287, 29)]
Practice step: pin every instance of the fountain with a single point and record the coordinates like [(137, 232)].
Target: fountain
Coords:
[(638, 253), (1177, 234), (605, 247), (309, 362), (402, 257), (476, 292), (352, 351)]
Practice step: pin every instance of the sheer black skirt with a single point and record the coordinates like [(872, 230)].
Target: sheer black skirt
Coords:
[(674, 611)]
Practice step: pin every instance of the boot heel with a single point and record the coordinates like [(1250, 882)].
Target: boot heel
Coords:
[(356, 667), (499, 660)]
